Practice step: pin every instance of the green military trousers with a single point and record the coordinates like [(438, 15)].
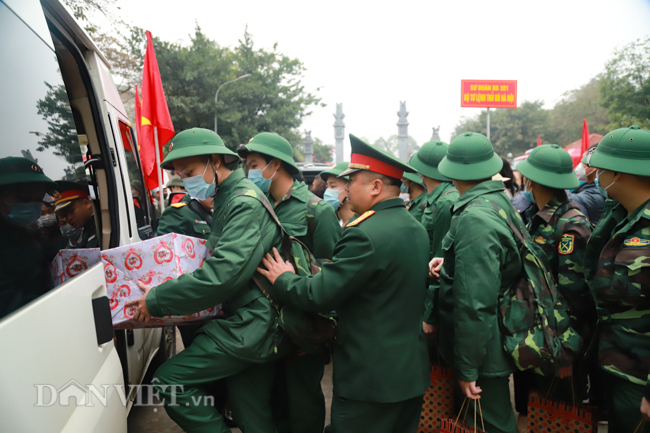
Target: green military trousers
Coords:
[(498, 416), (352, 416), (300, 406), (623, 399), (182, 381)]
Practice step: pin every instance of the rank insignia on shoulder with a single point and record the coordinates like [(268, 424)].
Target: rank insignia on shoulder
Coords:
[(361, 218), (540, 240), (566, 244), (636, 242), (177, 205)]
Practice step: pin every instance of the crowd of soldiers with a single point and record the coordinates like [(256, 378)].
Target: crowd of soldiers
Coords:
[(409, 286)]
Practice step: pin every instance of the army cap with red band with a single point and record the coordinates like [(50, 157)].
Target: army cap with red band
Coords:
[(367, 157), (66, 192)]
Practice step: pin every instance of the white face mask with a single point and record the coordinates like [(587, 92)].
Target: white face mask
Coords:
[(581, 173)]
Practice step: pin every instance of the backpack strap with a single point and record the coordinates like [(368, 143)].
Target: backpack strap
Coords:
[(201, 211), (311, 215)]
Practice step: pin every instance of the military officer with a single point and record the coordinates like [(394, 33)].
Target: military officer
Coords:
[(481, 262), (176, 188), (561, 230), (413, 186), (436, 216), (271, 167), (335, 194), (377, 284), (242, 347), (73, 203), (617, 268), (24, 269)]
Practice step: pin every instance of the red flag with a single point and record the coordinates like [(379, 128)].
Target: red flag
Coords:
[(154, 113), (585, 138), (138, 116), (539, 140)]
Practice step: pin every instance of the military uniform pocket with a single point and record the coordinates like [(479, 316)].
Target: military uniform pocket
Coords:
[(202, 229)]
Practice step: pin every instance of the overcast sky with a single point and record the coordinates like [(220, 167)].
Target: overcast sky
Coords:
[(370, 57)]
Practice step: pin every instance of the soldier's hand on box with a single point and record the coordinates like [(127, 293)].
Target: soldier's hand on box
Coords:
[(275, 266), (470, 389), (434, 267), (142, 315), (645, 409)]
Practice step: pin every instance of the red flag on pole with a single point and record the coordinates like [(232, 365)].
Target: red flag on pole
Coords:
[(539, 140), (154, 115), (585, 138)]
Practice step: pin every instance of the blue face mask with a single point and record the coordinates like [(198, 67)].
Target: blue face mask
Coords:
[(404, 188), (256, 177), (198, 188), (25, 214), (331, 197), (601, 190), (528, 194), (69, 232)]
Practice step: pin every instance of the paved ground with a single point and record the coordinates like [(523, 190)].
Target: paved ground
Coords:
[(155, 420)]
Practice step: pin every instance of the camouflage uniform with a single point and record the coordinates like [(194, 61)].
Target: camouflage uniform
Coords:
[(617, 269), (562, 232)]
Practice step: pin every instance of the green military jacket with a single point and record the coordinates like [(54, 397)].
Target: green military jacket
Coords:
[(242, 233), (436, 220), (415, 206), (482, 261), (317, 227), (562, 235), (376, 283), (617, 268), (180, 218)]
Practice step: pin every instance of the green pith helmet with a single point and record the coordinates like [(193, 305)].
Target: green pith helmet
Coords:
[(17, 171), (470, 156), (271, 144), (195, 142), (624, 150), (427, 159), (336, 170), (413, 177), (175, 180), (367, 157), (549, 165)]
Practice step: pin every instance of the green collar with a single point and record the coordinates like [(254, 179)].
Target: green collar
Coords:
[(298, 191), (437, 192), (626, 222), (227, 187), (418, 199), (388, 203), (482, 188), (548, 211)]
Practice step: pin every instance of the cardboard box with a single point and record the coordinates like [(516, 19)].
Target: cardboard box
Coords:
[(68, 264), (153, 262)]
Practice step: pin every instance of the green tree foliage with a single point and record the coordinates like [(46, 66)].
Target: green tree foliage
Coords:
[(273, 98), (511, 131), (322, 152), (391, 145), (625, 85)]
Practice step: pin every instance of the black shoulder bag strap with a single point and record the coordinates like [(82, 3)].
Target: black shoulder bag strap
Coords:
[(201, 211)]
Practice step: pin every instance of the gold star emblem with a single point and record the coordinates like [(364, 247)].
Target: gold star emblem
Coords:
[(56, 196), (171, 146), (36, 168)]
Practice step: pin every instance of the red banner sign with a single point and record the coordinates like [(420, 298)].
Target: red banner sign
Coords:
[(488, 93)]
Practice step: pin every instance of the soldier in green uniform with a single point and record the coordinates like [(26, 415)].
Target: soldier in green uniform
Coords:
[(269, 158), (73, 203), (413, 186), (176, 190), (241, 347), (188, 217), (481, 262), (377, 284), (436, 218), (335, 194), (617, 268), (24, 268), (561, 230)]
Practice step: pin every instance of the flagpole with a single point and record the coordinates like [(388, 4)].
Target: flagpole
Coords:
[(159, 171)]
